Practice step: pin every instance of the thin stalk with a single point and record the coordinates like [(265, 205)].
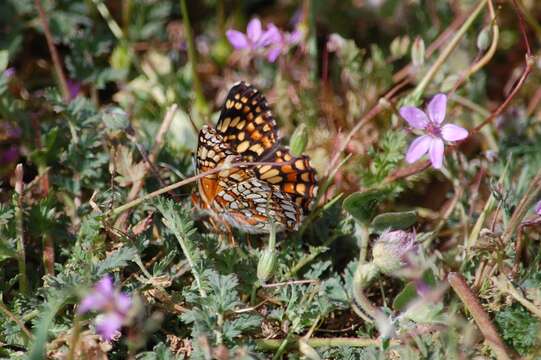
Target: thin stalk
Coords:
[(111, 23), (200, 102), (488, 55), (523, 206), (74, 338), (272, 344), (26, 333), (130, 204), (54, 53), (420, 88), (363, 234), (310, 21), (470, 301), (186, 250), (21, 255), (282, 347)]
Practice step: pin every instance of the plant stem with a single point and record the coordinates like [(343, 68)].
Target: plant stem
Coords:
[(420, 88), (363, 234), (26, 333), (111, 23), (21, 255), (74, 338), (130, 204), (522, 208), (481, 318), (54, 53), (282, 346), (200, 102), (186, 250), (272, 344)]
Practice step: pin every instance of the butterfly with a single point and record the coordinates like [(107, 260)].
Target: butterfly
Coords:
[(255, 182)]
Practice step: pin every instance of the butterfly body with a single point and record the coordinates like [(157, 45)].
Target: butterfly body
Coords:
[(278, 189)]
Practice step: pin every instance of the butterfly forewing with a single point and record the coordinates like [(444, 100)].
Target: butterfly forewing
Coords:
[(246, 122)]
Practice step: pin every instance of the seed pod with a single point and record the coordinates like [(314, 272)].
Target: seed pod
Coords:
[(483, 39), (418, 52)]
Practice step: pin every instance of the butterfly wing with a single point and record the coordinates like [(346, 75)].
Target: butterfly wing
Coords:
[(294, 176), (253, 205), (246, 122)]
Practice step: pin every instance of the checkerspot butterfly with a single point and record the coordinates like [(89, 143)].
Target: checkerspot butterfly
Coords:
[(251, 196)]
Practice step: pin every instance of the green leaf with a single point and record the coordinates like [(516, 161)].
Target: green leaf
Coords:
[(394, 221), (4, 59), (408, 293), (6, 252), (117, 259), (37, 351), (115, 118), (361, 205)]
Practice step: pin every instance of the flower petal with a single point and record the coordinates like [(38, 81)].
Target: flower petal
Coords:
[(272, 35), (436, 108), (295, 37), (538, 208), (105, 286), (418, 148), (237, 39), (92, 302), (273, 53), (123, 303), (436, 153), (254, 30), (452, 132), (108, 325), (415, 117)]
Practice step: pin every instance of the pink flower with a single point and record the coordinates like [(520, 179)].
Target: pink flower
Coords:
[(112, 304), (538, 208), (282, 42), (432, 142), (255, 38)]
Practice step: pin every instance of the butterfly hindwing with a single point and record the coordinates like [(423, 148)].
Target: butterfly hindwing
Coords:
[(293, 176), (252, 205)]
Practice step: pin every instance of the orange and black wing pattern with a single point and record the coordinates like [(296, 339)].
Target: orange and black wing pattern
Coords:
[(251, 197), (246, 122)]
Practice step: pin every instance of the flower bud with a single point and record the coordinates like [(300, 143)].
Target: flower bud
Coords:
[(364, 274), (120, 58), (267, 261), (266, 265), (418, 52), (335, 43), (483, 39), (299, 139), (390, 252)]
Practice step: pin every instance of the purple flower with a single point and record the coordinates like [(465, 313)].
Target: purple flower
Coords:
[(255, 38), (538, 208), (430, 123), (10, 155), (282, 41), (9, 150), (74, 88), (112, 304), (9, 72)]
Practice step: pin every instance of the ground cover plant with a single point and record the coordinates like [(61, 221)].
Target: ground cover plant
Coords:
[(374, 191)]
